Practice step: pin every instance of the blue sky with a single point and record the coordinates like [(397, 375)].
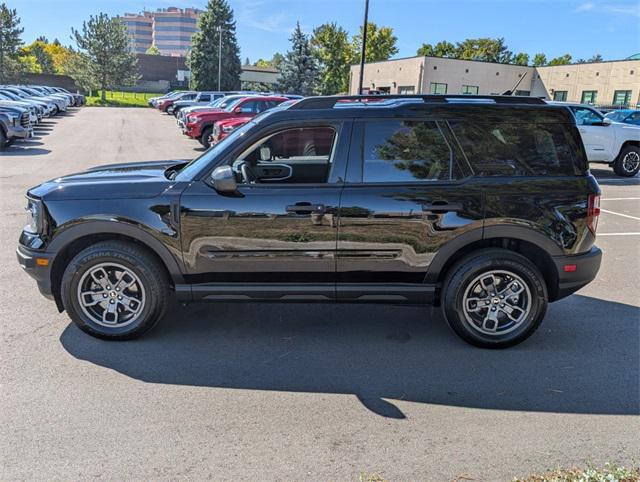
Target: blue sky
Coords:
[(578, 27)]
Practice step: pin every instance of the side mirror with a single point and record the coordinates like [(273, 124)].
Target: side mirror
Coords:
[(606, 121), (237, 110), (223, 180)]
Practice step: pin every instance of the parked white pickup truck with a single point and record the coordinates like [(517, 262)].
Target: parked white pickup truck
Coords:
[(605, 141)]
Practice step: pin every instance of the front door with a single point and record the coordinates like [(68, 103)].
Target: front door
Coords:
[(597, 137), (277, 236), (401, 205)]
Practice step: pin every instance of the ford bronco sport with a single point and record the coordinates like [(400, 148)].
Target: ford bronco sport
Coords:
[(482, 205)]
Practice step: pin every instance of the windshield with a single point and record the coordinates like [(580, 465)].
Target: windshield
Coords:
[(616, 116), (231, 105)]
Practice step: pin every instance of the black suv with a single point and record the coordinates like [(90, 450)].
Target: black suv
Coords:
[(482, 205)]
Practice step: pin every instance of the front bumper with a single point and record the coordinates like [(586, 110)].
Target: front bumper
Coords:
[(19, 132), (33, 264), (585, 271)]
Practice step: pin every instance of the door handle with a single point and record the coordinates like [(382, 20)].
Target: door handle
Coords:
[(306, 208), (439, 207)]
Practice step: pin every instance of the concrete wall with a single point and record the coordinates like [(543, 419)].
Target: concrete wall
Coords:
[(257, 74), (416, 74), (52, 80), (603, 77)]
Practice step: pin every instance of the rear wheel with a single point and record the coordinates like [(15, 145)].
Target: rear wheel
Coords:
[(628, 162), (115, 290), (494, 298), (206, 135), (3, 140)]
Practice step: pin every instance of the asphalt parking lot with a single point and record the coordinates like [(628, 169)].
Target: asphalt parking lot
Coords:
[(305, 392)]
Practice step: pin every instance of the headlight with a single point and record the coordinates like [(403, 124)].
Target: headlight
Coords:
[(191, 118), (35, 219)]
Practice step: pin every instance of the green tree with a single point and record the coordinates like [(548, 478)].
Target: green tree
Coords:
[(562, 60), (485, 49), (44, 59), (299, 69), (596, 58), (104, 43), (203, 60), (539, 60), (381, 44), (441, 49), (521, 59), (10, 42), (80, 68), (330, 44), (153, 50)]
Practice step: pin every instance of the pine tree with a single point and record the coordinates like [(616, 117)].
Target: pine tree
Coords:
[(104, 42), (299, 70), (10, 42), (203, 60)]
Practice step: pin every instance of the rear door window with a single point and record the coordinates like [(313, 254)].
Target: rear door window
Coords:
[(500, 149), (406, 151)]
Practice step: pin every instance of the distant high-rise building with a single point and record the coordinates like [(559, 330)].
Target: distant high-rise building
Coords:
[(169, 29)]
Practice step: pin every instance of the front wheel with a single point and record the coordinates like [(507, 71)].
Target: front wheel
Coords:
[(494, 298), (206, 135), (628, 162), (115, 290)]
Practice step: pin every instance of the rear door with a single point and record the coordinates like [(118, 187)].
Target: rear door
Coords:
[(405, 198)]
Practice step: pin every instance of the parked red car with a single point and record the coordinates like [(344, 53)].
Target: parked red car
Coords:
[(199, 125), (223, 128), (163, 104)]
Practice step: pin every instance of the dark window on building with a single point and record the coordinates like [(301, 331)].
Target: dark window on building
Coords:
[(560, 95), (589, 97), (406, 89), (621, 97), (436, 88), (406, 151), (501, 149), (470, 89)]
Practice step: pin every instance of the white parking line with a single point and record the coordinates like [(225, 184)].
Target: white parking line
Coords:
[(619, 214), (617, 234), (621, 199)]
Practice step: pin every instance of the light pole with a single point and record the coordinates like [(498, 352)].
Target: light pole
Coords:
[(364, 44), (219, 54)]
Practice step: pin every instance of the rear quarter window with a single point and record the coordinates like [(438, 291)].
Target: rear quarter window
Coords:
[(501, 149)]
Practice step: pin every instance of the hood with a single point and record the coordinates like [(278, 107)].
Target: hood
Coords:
[(126, 180)]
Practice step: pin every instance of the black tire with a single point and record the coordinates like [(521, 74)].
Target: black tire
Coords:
[(170, 110), (175, 112), (467, 271), (206, 134), (149, 272), (628, 162), (3, 140)]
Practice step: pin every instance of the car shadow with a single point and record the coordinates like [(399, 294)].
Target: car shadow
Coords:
[(607, 177), (585, 358), (20, 149)]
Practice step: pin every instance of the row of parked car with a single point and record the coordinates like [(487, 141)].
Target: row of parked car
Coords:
[(24, 106), (210, 116)]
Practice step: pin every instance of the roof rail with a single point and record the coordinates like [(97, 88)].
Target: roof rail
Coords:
[(328, 102)]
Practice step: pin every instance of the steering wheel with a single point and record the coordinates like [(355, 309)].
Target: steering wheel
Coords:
[(248, 173)]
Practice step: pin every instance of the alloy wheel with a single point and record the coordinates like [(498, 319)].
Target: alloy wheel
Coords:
[(496, 302), (111, 295)]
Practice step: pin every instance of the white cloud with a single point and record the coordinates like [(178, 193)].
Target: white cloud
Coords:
[(614, 8), (253, 15), (584, 7)]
